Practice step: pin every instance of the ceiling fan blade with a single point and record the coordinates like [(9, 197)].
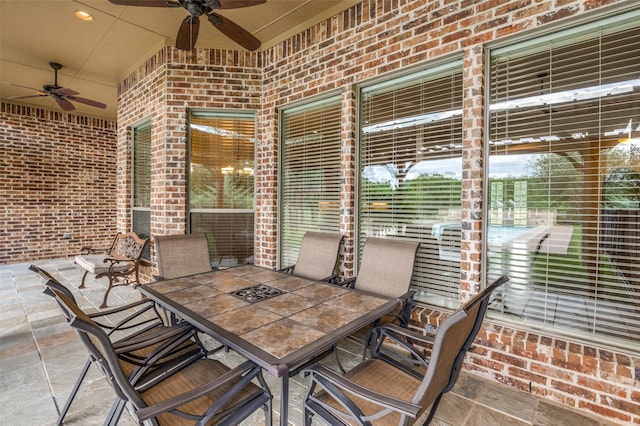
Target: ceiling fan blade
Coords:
[(234, 31), (149, 3), (87, 101), (64, 104), (236, 4), (188, 33), (24, 87), (29, 96), (67, 92)]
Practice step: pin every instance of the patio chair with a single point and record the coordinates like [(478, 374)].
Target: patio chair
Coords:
[(137, 329), (120, 263), (318, 257), (181, 255), (201, 391), (386, 269), (398, 387)]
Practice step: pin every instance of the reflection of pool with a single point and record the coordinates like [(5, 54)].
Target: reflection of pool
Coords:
[(498, 235)]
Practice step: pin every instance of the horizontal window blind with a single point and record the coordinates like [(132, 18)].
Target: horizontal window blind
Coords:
[(221, 183), (410, 173), (141, 154), (310, 173), (141, 183), (564, 181)]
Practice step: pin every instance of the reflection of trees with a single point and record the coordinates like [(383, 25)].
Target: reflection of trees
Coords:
[(552, 185), (417, 198), (212, 189), (203, 192)]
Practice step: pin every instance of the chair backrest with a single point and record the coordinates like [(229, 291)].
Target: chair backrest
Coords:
[(318, 255), (453, 339), (128, 246), (53, 284), (182, 255), (387, 266), (99, 346)]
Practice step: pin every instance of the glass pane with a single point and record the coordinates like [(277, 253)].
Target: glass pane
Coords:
[(221, 183), (310, 170), (411, 173), (222, 161), (230, 236), (142, 165), (564, 187)]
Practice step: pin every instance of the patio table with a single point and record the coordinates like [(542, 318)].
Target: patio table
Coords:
[(276, 320)]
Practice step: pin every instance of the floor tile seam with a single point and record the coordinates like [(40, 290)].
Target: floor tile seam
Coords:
[(42, 364), (476, 403)]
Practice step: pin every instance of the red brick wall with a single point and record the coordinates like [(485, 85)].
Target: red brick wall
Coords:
[(162, 90), (370, 40), (57, 177)]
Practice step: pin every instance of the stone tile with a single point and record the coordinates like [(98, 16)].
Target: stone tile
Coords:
[(454, 409), (485, 416), (507, 400), (549, 413)]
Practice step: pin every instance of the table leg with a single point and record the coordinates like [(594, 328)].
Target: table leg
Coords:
[(284, 401)]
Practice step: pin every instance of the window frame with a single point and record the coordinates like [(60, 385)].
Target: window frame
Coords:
[(334, 99), (450, 61), (617, 15), (146, 122)]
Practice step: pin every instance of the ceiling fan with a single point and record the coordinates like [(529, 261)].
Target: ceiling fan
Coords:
[(188, 31), (60, 94)]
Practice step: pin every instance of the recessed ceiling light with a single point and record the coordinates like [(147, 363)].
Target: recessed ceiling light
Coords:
[(82, 15)]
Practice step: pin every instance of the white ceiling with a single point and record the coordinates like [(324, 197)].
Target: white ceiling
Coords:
[(97, 55)]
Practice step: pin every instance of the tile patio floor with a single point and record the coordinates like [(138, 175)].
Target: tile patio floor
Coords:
[(41, 357)]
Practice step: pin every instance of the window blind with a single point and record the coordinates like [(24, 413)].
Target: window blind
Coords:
[(141, 183), (410, 172), (564, 172), (221, 183), (310, 181)]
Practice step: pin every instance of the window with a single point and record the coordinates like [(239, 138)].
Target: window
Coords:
[(309, 173), (221, 183), (141, 183), (564, 179), (410, 173)]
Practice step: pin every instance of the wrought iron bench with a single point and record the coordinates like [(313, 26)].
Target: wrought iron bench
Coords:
[(120, 263)]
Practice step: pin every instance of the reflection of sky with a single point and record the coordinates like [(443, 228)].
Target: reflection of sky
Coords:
[(503, 166), (447, 167)]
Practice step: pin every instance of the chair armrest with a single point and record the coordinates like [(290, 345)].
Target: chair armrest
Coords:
[(331, 279), (401, 331), (244, 372), (408, 360), (349, 282), (287, 269), (161, 335), (90, 250), (327, 377), (134, 317)]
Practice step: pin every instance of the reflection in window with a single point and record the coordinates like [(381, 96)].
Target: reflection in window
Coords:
[(563, 167), (221, 183), (310, 179), (141, 183), (411, 173)]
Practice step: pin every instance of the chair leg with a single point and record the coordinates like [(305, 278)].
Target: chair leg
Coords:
[(106, 293), (83, 278), (432, 411), (64, 411), (115, 412)]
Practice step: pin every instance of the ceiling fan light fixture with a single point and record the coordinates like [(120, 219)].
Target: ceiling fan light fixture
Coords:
[(83, 16)]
